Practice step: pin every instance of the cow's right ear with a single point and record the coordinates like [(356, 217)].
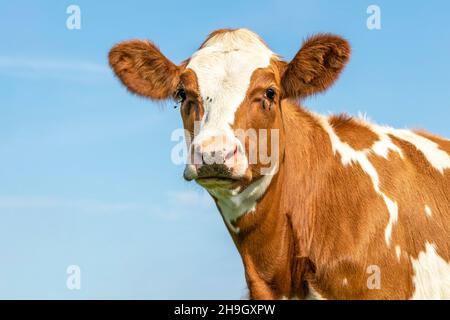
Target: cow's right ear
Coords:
[(143, 69)]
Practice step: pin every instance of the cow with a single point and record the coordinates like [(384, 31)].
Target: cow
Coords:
[(347, 210)]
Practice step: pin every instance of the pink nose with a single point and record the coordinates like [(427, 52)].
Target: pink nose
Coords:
[(216, 156), (215, 151)]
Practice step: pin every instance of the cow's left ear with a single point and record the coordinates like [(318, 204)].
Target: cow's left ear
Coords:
[(316, 66)]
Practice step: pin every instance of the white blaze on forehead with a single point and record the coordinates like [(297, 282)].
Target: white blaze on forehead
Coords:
[(224, 66)]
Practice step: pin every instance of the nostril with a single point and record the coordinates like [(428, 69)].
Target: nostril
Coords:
[(232, 153), (204, 160)]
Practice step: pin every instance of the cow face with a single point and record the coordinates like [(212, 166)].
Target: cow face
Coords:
[(230, 94)]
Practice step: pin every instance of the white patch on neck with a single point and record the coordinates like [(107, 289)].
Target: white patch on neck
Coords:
[(224, 66), (313, 294), (233, 205), (431, 275), (350, 156), (286, 298), (428, 210)]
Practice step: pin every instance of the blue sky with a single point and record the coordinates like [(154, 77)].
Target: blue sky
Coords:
[(86, 177)]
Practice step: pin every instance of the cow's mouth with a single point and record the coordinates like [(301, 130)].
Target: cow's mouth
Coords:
[(216, 176), (215, 181), (222, 179)]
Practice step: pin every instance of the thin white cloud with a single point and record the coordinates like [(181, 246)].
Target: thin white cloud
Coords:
[(36, 69), (50, 65), (78, 133), (192, 198), (43, 202), (176, 205)]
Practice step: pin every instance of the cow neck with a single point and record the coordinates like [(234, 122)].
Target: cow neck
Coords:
[(267, 241)]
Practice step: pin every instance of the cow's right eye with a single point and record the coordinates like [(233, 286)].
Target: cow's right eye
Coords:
[(180, 95)]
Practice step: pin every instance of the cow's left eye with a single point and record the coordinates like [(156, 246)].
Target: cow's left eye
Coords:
[(269, 97), (270, 94)]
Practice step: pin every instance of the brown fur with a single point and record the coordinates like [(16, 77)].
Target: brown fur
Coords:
[(143, 69), (320, 224), (335, 233), (192, 109), (355, 134), (316, 66), (443, 143)]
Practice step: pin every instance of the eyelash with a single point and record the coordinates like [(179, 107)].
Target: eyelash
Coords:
[(180, 95), (270, 96)]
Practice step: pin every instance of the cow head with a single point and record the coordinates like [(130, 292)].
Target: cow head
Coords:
[(230, 93)]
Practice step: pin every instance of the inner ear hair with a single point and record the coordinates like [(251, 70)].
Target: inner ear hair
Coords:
[(143, 69), (316, 66)]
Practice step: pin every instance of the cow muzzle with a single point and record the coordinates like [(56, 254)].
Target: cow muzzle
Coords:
[(219, 157)]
